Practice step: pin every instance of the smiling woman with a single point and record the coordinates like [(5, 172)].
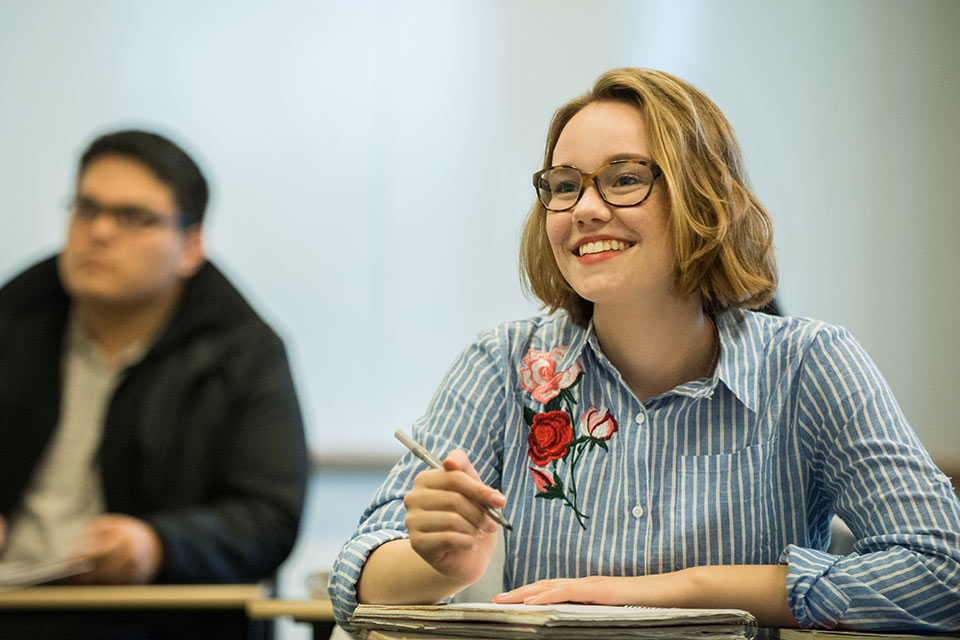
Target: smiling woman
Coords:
[(652, 440)]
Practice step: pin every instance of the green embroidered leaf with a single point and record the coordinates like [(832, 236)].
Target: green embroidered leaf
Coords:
[(549, 494), (577, 381), (528, 415), (566, 395), (553, 405), (602, 444), (578, 440), (557, 483)]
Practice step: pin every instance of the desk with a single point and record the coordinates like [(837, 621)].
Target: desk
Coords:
[(318, 613), (762, 634), (148, 611)]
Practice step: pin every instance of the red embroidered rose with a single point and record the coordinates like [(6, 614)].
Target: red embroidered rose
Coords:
[(539, 376), (599, 426), (541, 479), (549, 435)]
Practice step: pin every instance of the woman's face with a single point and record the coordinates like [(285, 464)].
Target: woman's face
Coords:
[(631, 259)]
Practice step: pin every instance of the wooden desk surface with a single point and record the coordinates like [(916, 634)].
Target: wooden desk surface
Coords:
[(232, 596), (299, 610)]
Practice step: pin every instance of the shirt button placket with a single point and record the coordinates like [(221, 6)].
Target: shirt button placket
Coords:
[(640, 419)]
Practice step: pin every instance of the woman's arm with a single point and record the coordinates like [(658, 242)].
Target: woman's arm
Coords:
[(759, 589), (451, 539), (418, 514), (867, 465)]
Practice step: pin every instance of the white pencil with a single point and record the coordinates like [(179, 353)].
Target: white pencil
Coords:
[(433, 463)]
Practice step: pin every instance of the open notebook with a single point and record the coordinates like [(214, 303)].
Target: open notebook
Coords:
[(17, 575), (518, 621)]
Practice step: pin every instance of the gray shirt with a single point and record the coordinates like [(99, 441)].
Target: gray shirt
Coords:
[(65, 491)]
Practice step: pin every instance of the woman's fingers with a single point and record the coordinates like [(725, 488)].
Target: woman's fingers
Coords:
[(430, 510), (453, 498), (591, 590)]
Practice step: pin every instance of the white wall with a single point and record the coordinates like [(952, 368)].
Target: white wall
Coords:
[(339, 138)]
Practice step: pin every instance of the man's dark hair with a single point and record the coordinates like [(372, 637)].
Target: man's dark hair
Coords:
[(170, 163)]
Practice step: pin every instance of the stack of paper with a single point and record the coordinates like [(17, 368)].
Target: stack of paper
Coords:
[(518, 621), (16, 575)]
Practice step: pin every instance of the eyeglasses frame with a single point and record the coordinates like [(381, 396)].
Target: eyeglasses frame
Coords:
[(156, 220), (655, 170)]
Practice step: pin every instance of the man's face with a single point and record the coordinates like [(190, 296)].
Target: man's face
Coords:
[(124, 244)]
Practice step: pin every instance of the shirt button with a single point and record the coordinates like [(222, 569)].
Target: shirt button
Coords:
[(637, 511), (641, 418)]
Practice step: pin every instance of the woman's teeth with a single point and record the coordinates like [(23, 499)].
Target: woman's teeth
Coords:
[(602, 245)]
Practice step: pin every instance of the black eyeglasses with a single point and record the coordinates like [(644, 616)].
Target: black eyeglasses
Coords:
[(621, 183), (126, 216)]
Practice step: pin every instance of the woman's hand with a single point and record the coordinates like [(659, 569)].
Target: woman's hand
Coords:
[(451, 539), (759, 589), (447, 519), (661, 590)]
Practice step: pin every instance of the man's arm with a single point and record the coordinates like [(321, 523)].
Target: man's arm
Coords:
[(245, 521)]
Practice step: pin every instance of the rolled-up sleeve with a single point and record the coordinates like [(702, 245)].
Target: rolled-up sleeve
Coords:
[(867, 462)]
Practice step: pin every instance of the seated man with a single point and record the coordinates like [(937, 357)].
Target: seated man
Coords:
[(148, 420)]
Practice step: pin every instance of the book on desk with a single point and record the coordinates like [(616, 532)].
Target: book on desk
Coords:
[(828, 634), (515, 622)]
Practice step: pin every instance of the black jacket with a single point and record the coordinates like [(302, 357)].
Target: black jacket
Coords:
[(203, 437)]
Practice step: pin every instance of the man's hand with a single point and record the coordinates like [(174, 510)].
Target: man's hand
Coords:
[(122, 550)]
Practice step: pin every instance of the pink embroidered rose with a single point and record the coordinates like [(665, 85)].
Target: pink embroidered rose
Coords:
[(539, 376), (599, 426), (549, 435), (541, 479)]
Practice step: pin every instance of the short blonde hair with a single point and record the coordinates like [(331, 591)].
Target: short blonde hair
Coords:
[(723, 237)]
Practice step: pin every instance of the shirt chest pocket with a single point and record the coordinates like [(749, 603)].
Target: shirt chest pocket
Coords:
[(719, 506)]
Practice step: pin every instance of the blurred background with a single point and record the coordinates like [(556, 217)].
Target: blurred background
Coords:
[(370, 163)]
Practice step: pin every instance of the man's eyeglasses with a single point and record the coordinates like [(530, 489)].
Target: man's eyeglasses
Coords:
[(621, 183), (126, 216)]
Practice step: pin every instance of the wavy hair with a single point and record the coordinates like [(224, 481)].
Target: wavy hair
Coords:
[(722, 235)]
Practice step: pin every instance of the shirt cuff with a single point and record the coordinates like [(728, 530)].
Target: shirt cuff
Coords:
[(813, 597), (347, 568)]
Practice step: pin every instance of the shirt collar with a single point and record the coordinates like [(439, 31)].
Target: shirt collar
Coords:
[(580, 339), (739, 364), (737, 367), (81, 344)]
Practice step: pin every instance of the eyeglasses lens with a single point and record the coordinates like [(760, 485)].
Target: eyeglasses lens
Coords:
[(621, 183)]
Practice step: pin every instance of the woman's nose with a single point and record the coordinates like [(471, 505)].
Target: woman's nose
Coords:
[(591, 206)]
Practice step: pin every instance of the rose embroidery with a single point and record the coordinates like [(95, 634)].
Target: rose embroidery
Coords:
[(599, 426), (539, 376), (551, 438), (540, 479)]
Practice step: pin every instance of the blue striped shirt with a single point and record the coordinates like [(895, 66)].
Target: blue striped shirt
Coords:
[(745, 467)]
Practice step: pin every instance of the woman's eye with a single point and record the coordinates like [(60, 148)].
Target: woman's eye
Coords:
[(627, 180), (566, 186)]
